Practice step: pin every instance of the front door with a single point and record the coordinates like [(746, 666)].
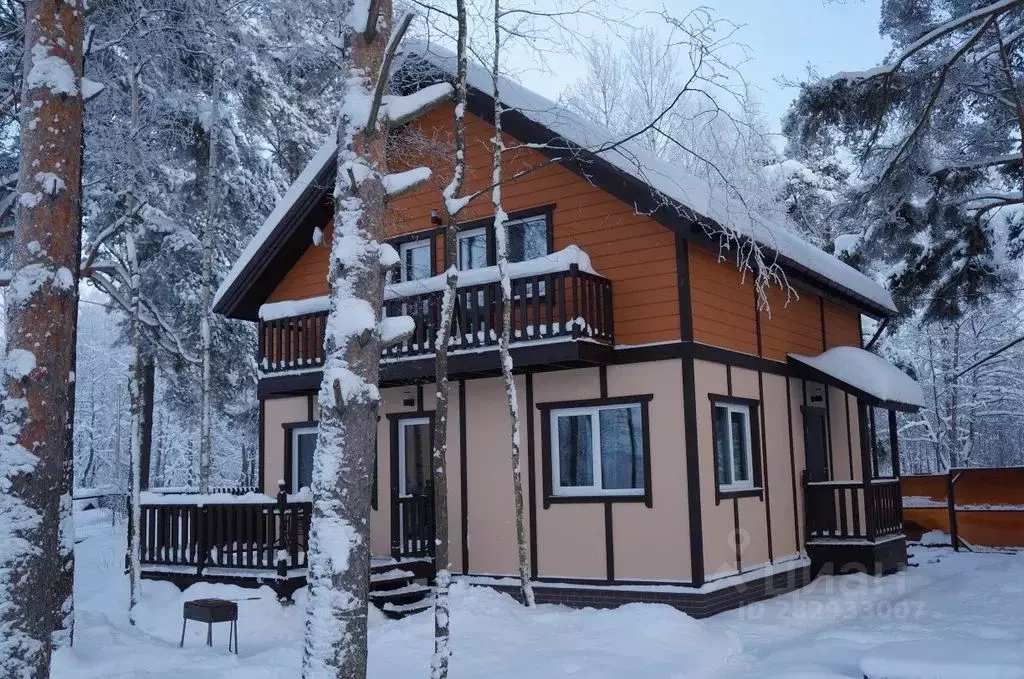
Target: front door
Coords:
[(414, 504), (303, 449), (816, 443)]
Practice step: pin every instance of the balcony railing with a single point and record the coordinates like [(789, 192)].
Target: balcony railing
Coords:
[(853, 510), (563, 305)]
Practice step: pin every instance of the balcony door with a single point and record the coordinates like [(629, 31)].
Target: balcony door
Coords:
[(414, 501), (303, 449)]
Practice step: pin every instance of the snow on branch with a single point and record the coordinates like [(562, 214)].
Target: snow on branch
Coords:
[(400, 110), (993, 10), (396, 329), (403, 182), (384, 74)]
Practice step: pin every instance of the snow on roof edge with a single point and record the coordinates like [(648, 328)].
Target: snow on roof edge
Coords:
[(868, 373)]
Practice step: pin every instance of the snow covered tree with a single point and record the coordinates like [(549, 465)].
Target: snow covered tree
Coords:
[(40, 306), (339, 540), (936, 131)]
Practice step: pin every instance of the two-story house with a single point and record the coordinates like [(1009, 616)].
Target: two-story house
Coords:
[(683, 443)]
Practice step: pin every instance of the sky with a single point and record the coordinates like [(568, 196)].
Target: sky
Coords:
[(784, 37)]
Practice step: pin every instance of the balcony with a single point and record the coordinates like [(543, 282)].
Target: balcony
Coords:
[(560, 308)]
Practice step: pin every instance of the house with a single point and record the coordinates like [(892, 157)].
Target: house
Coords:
[(682, 443)]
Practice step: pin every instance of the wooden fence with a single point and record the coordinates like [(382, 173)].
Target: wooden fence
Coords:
[(983, 507)]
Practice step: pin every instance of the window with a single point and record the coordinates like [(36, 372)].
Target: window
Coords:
[(598, 450), (473, 249), (416, 263), (733, 447), (527, 238), (303, 450)]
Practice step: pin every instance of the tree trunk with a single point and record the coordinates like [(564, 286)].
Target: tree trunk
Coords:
[(209, 224), (146, 443), (40, 330), (135, 379), (339, 540), (500, 233), (442, 549)]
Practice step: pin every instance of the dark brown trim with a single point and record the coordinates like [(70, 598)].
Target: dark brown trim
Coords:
[(685, 302), (792, 467), (609, 542), (531, 461), (298, 424), (309, 407), (737, 543), (828, 434), (464, 475), (691, 441), (764, 465), (602, 379), (419, 397), (894, 444), (755, 445), (737, 359), (545, 431), (728, 379), (289, 385), (604, 594), (849, 429), (262, 443)]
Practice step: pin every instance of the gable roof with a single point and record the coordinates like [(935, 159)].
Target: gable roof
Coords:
[(670, 195)]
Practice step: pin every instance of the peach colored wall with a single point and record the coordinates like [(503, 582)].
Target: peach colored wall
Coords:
[(718, 520), (654, 543), (491, 515), (278, 411), (778, 468), (837, 422), (570, 537)]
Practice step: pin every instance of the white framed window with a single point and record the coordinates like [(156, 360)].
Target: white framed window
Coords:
[(733, 446), (303, 451), (473, 248), (598, 450), (416, 264)]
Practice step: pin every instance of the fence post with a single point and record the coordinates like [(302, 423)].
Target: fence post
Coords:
[(200, 518), (282, 504), (954, 536), (574, 275)]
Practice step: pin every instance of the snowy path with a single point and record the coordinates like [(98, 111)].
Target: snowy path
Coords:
[(820, 631)]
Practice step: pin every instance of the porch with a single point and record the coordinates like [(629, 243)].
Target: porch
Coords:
[(561, 316)]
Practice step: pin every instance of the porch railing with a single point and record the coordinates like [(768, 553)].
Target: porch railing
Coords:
[(413, 527), (571, 304), (852, 510), (266, 536)]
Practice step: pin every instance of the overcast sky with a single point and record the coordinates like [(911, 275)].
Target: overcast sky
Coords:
[(784, 37)]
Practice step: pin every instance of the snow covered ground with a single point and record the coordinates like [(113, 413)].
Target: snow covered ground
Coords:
[(821, 631)]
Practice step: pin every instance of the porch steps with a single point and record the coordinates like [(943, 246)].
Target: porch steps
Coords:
[(398, 592)]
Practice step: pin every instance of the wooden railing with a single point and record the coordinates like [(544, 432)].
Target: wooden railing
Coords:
[(252, 537), (413, 527), (852, 510), (570, 304)]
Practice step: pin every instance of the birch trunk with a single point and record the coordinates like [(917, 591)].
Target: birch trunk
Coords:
[(206, 303), (442, 550), (40, 325), (501, 241), (135, 377), (339, 540)]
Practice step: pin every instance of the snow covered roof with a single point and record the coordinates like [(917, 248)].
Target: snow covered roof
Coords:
[(691, 196), (871, 377), (670, 181)]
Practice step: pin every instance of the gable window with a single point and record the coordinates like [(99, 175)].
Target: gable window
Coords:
[(736, 443), (473, 249), (527, 238), (598, 449), (416, 264)]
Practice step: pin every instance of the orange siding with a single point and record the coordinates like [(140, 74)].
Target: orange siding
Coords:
[(723, 303), (793, 327), (633, 251), (842, 326)]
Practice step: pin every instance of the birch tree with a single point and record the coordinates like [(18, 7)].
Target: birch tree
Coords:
[(452, 206), (339, 541), (40, 318), (504, 350)]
